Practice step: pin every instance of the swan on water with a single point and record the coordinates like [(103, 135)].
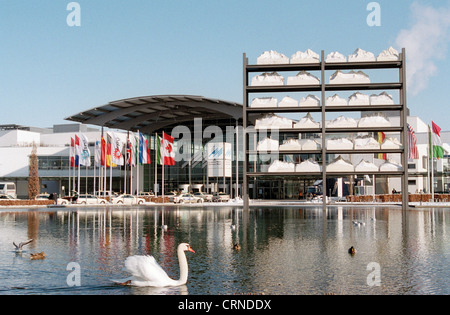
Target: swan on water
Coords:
[(146, 272)]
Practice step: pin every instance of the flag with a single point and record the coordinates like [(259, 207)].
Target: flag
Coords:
[(438, 149), (108, 151), (98, 154), (116, 149), (381, 137), (413, 153), (164, 150), (136, 147), (131, 149), (72, 152), (103, 152), (77, 151), (144, 150), (85, 154)]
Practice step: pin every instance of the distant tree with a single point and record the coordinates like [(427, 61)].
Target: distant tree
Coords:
[(33, 176)]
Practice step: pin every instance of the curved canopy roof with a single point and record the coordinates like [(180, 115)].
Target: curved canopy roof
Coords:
[(151, 113)]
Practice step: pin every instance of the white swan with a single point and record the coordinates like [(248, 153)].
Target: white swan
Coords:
[(146, 272)]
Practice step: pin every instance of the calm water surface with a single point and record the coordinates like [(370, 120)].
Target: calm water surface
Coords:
[(290, 250)]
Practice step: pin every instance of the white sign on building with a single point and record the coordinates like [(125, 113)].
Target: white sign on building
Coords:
[(217, 162)]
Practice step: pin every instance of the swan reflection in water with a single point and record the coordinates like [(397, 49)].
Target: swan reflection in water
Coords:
[(180, 290)]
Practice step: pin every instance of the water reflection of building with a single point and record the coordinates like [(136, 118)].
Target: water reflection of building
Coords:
[(283, 250)]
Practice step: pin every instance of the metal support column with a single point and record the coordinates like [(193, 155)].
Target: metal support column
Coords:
[(404, 124), (324, 153), (245, 196)]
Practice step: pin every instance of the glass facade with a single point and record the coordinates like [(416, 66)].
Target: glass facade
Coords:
[(280, 188), (52, 162), (191, 173), (57, 163)]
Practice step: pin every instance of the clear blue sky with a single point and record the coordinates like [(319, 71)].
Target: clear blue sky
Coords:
[(123, 49)]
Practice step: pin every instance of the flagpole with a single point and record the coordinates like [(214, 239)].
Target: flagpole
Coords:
[(236, 192), (138, 169), (138, 162), (102, 182), (125, 166), (432, 174), (428, 162), (163, 167), (70, 166), (73, 167), (104, 163), (73, 174), (162, 184), (110, 179), (110, 168), (99, 169), (131, 162), (79, 182), (105, 170), (70, 171), (95, 154), (86, 179), (131, 178), (79, 166), (105, 175), (156, 165), (100, 173)]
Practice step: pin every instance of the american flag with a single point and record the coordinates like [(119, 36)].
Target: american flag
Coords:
[(413, 153)]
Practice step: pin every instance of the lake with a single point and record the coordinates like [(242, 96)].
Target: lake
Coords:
[(283, 250)]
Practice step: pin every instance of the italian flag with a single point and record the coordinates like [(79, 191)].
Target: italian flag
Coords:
[(436, 143), (164, 151)]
